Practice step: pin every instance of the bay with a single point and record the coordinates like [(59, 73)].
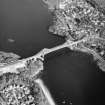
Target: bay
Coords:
[(71, 77)]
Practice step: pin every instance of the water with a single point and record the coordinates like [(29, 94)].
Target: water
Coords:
[(23, 25), (71, 77)]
